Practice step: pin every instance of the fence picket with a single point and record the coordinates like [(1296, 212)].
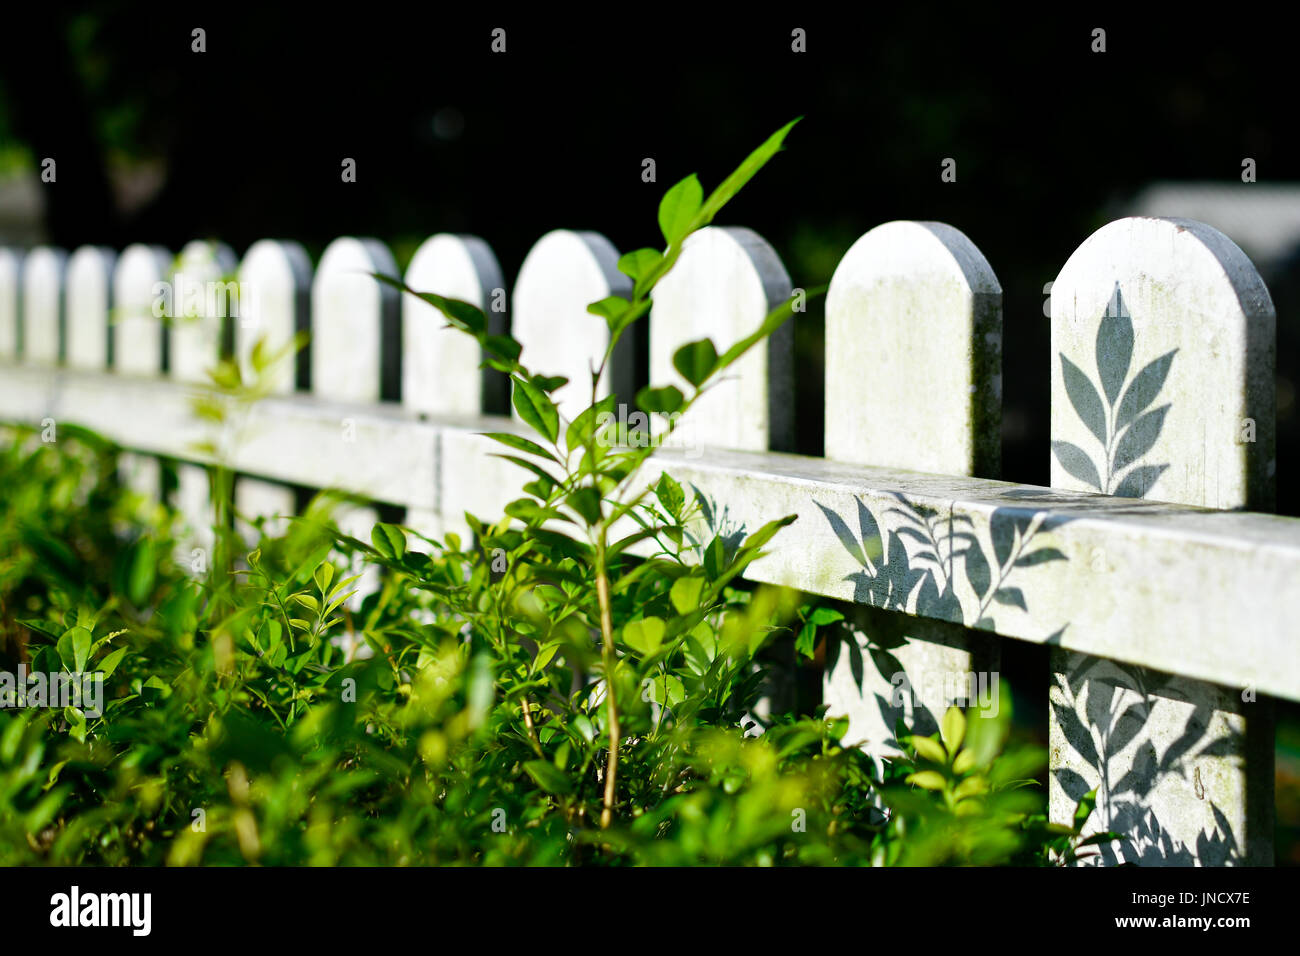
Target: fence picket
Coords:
[(722, 286), (11, 272), (43, 318), (139, 340), (89, 307), (913, 380), (1162, 387)]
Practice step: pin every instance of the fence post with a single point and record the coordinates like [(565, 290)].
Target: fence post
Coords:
[(274, 306), (440, 365), (200, 307), (356, 331), (562, 274), (1162, 387), (139, 341), (722, 286), (11, 273), (89, 304), (202, 301), (44, 271), (913, 381), (356, 359)]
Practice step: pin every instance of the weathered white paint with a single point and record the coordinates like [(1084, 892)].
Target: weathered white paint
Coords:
[(1162, 347), (914, 352), (11, 271), (89, 303), (138, 336), (1188, 292), (562, 274), (275, 287), (43, 274), (440, 365), (204, 294), (721, 288), (354, 338), (913, 380)]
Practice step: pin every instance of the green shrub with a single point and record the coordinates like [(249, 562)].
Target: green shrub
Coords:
[(575, 684)]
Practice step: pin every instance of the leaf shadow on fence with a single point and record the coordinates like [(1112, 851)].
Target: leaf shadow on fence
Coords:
[(896, 584), (906, 592), (1119, 413), (907, 595), (1120, 703)]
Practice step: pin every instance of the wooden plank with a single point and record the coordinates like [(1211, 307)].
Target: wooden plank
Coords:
[(1143, 582)]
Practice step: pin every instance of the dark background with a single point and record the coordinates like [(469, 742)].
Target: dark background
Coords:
[(1050, 138)]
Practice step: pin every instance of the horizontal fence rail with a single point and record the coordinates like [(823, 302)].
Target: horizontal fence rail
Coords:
[(1169, 606)]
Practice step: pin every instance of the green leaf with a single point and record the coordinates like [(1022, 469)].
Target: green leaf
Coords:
[(610, 308), (586, 502), (74, 648), (109, 662), (929, 749), (548, 777), (678, 209), (521, 444), (536, 408), (965, 762), (639, 262), (462, 315), (665, 400), (822, 616), (389, 540), (645, 636), (746, 171), (140, 581), (927, 780), (953, 729), (670, 495), (696, 361), (685, 594), (806, 642), (1087, 804), (323, 576)]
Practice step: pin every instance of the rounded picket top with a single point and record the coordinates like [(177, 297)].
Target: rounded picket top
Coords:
[(562, 274), (722, 287), (43, 275), (140, 293), (204, 296), (1163, 353), (11, 272), (914, 353), (274, 305), (440, 365), (356, 332), (89, 307)]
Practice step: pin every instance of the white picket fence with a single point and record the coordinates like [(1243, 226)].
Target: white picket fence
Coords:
[(1170, 609)]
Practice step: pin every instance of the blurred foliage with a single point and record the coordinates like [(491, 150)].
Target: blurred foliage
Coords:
[(536, 695)]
